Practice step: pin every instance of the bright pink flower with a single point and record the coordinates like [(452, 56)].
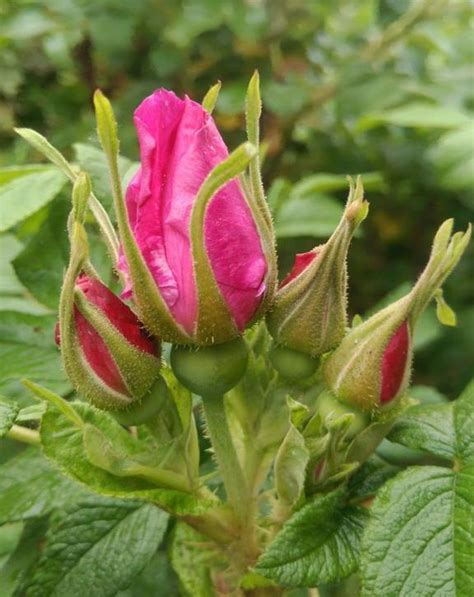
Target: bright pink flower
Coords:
[(93, 347), (179, 146)]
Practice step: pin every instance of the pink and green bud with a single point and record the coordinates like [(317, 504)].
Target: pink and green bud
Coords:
[(206, 258), (108, 356), (372, 365), (309, 310)]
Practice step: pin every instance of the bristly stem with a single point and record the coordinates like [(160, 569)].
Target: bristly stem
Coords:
[(224, 450)]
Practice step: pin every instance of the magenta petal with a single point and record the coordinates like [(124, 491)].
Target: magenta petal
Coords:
[(302, 260), (394, 362)]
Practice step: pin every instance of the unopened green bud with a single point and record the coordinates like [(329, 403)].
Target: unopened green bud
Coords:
[(210, 370), (309, 310)]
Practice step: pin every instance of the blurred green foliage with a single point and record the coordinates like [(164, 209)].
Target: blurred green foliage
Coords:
[(381, 87)]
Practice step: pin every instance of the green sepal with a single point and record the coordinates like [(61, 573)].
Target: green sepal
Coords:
[(137, 368), (309, 313), (76, 366), (353, 370), (215, 323), (80, 196), (444, 313), (210, 99), (255, 194), (290, 467), (153, 309)]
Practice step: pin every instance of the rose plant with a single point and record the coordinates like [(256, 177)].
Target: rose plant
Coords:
[(197, 348)]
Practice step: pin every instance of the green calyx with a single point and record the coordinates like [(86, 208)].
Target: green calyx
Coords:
[(210, 370), (291, 364), (309, 313)]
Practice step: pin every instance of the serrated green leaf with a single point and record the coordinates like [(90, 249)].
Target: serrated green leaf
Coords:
[(97, 547), (445, 430), (318, 544), (30, 487), (192, 558), (427, 427), (63, 442), (464, 424), (23, 196), (420, 538), (8, 415)]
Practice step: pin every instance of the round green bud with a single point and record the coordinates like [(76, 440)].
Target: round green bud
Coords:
[(147, 408), (328, 406), (292, 364), (210, 370)]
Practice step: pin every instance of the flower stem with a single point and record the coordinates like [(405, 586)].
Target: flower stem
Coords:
[(23, 434), (224, 450)]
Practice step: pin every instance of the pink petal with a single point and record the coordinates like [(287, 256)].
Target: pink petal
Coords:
[(394, 362), (302, 260)]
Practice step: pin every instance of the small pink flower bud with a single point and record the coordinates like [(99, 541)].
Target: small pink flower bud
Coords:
[(112, 361), (371, 367), (179, 147), (308, 313)]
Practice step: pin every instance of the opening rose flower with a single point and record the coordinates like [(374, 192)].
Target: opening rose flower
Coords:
[(179, 148)]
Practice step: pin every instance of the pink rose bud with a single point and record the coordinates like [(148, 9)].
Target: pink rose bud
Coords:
[(112, 361), (308, 313), (371, 367), (179, 147)]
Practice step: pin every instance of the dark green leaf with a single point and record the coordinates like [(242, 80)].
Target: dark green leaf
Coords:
[(18, 567), (464, 424), (318, 544), (30, 487), (420, 539), (40, 265), (97, 547), (370, 477)]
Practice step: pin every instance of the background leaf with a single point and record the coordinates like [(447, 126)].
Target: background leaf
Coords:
[(25, 195), (97, 546)]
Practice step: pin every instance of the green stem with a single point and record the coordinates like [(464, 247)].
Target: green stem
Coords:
[(22, 434), (234, 481)]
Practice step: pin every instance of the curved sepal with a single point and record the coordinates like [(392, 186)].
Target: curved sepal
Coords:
[(153, 309)]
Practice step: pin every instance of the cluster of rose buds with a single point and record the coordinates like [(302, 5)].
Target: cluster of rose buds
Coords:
[(197, 260)]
